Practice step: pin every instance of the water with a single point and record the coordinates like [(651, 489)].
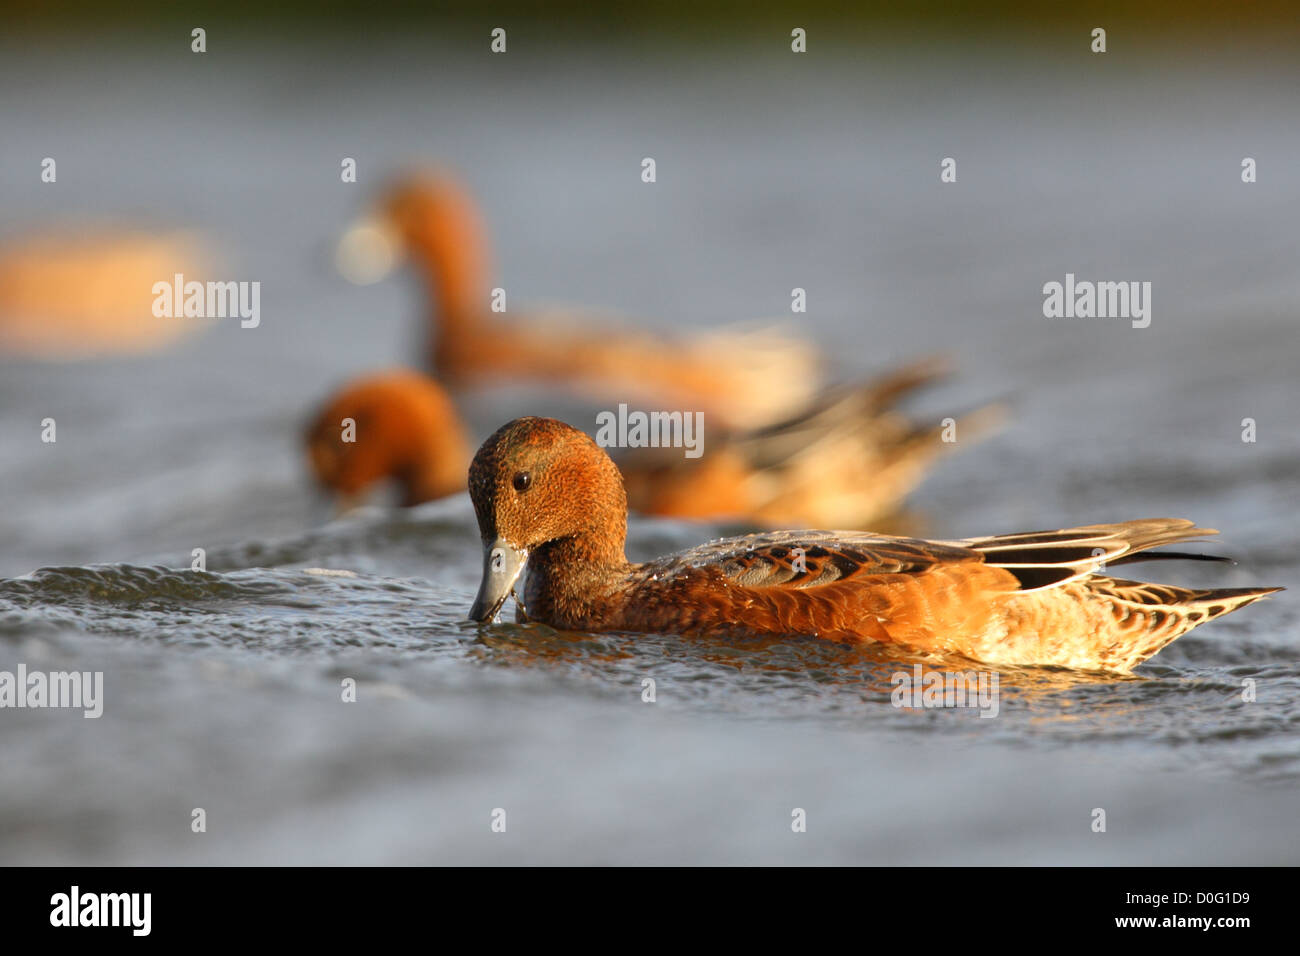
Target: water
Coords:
[(223, 690)]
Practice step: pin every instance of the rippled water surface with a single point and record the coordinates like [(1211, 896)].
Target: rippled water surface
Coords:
[(223, 688)]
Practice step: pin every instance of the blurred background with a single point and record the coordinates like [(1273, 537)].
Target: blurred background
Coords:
[(775, 170)]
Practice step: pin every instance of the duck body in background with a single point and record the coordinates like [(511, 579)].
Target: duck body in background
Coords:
[(849, 460), (90, 293)]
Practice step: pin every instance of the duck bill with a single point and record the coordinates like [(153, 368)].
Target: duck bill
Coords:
[(502, 565), (368, 251)]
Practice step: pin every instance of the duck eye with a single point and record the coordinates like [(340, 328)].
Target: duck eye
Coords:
[(522, 480)]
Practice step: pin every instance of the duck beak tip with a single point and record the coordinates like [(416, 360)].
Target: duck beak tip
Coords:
[(502, 565)]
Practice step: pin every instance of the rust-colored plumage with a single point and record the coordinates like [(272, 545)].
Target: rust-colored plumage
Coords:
[(547, 496), (397, 426)]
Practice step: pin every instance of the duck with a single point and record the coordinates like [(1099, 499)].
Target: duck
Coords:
[(396, 426), (743, 375), (547, 498), (401, 426), (73, 294)]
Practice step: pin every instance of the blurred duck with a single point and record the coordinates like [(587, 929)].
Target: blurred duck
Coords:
[(849, 460), (66, 296), (395, 427), (742, 376)]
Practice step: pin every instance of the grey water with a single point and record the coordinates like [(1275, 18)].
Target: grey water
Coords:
[(223, 690)]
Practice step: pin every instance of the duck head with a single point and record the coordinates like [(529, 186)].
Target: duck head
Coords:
[(396, 426), (431, 218), (543, 491)]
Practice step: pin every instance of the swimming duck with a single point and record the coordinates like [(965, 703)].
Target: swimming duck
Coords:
[(546, 496), (398, 426), (807, 470), (743, 376)]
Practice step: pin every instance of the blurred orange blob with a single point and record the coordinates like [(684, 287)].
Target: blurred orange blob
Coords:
[(397, 426), (77, 296), (848, 460)]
